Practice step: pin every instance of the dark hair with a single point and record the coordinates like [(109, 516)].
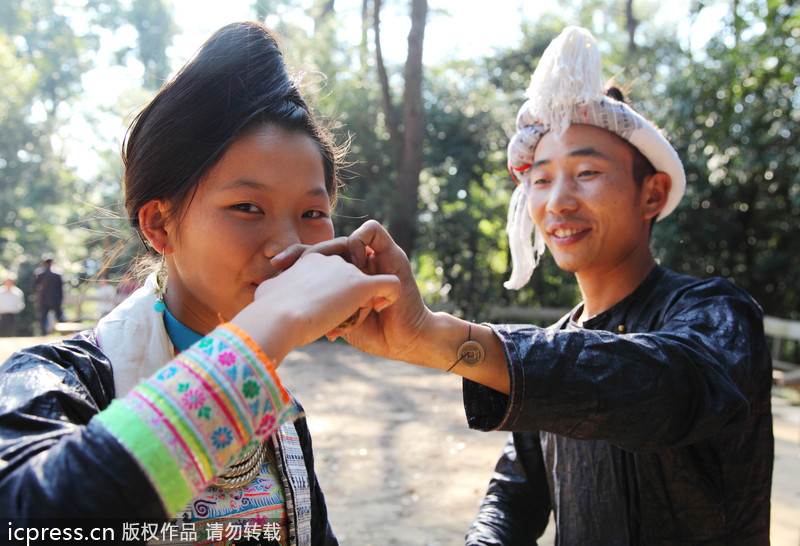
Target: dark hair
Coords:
[(237, 80)]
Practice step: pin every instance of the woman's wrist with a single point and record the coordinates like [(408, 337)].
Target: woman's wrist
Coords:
[(273, 331)]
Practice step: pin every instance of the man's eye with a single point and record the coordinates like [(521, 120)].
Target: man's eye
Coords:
[(539, 181)]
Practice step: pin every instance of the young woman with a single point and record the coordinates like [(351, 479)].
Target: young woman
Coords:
[(171, 406)]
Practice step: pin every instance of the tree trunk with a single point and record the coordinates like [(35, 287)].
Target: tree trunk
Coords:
[(323, 10), (406, 142), (395, 135), (414, 133), (631, 23), (363, 46)]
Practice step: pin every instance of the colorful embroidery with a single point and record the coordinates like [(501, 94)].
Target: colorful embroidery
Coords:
[(194, 399), (250, 389), (221, 437), (266, 424), (166, 373), (227, 516), (227, 358), (202, 415)]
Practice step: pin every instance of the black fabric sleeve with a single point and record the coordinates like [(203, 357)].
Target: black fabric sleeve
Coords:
[(516, 507), (54, 462), (692, 375)]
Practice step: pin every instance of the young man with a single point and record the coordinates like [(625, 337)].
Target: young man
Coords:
[(641, 417)]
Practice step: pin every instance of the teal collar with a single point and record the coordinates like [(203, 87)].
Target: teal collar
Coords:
[(181, 336)]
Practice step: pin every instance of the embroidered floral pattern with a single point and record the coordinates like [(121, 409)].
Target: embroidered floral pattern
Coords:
[(166, 373), (267, 423), (221, 437), (250, 389), (227, 358), (202, 414), (193, 399)]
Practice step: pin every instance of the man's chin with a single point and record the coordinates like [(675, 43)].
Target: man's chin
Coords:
[(567, 264)]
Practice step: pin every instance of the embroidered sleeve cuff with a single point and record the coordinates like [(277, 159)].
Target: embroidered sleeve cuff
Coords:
[(196, 415)]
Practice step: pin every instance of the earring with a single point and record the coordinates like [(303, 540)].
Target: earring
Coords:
[(161, 285)]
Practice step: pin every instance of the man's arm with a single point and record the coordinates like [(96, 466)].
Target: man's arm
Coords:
[(704, 369)]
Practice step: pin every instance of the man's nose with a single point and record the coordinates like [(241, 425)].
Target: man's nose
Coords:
[(562, 195)]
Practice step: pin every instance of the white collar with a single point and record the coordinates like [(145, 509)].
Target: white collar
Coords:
[(134, 339)]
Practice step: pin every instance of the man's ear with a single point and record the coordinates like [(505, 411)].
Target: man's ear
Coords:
[(152, 222), (656, 191)]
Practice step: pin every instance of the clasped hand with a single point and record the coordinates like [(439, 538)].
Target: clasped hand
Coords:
[(393, 331)]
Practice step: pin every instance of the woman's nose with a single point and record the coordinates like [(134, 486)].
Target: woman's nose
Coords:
[(281, 235)]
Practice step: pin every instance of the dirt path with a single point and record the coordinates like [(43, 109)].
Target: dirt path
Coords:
[(398, 464)]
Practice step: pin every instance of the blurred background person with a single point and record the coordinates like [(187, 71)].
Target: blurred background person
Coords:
[(48, 290), (12, 302)]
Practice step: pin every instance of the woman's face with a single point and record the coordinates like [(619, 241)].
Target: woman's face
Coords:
[(266, 193)]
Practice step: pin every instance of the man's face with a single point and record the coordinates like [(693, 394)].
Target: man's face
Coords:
[(585, 202)]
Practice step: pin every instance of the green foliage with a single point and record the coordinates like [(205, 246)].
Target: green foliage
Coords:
[(734, 120), (731, 110), (155, 28), (46, 46)]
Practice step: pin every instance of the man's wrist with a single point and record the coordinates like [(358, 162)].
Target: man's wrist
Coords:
[(444, 338)]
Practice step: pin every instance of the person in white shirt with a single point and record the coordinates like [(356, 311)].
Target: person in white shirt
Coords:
[(12, 302)]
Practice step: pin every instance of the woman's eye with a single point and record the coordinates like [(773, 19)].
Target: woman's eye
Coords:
[(314, 214), (247, 207), (539, 181)]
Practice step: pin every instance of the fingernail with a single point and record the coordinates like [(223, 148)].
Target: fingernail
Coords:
[(379, 304), (332, 335)]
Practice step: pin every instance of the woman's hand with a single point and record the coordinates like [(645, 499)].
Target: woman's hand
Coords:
[(395, 332), (311, 298)]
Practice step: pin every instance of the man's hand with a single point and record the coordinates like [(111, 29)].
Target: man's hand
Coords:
[(309, 299), (394, 332), (407, 330)]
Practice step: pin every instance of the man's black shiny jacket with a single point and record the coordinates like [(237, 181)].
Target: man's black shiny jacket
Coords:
[(649, 424)]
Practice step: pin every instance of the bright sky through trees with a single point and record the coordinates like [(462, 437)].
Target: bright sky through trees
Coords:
[(462, 29)]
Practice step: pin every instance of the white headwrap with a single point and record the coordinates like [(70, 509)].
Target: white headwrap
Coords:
[(567, 88)]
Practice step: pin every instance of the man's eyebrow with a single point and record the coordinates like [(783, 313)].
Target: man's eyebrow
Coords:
[(593, 152), (580, 152)]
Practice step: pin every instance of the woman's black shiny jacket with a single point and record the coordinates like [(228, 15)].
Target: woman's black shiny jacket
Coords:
[(56, 463), (650, 425)]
